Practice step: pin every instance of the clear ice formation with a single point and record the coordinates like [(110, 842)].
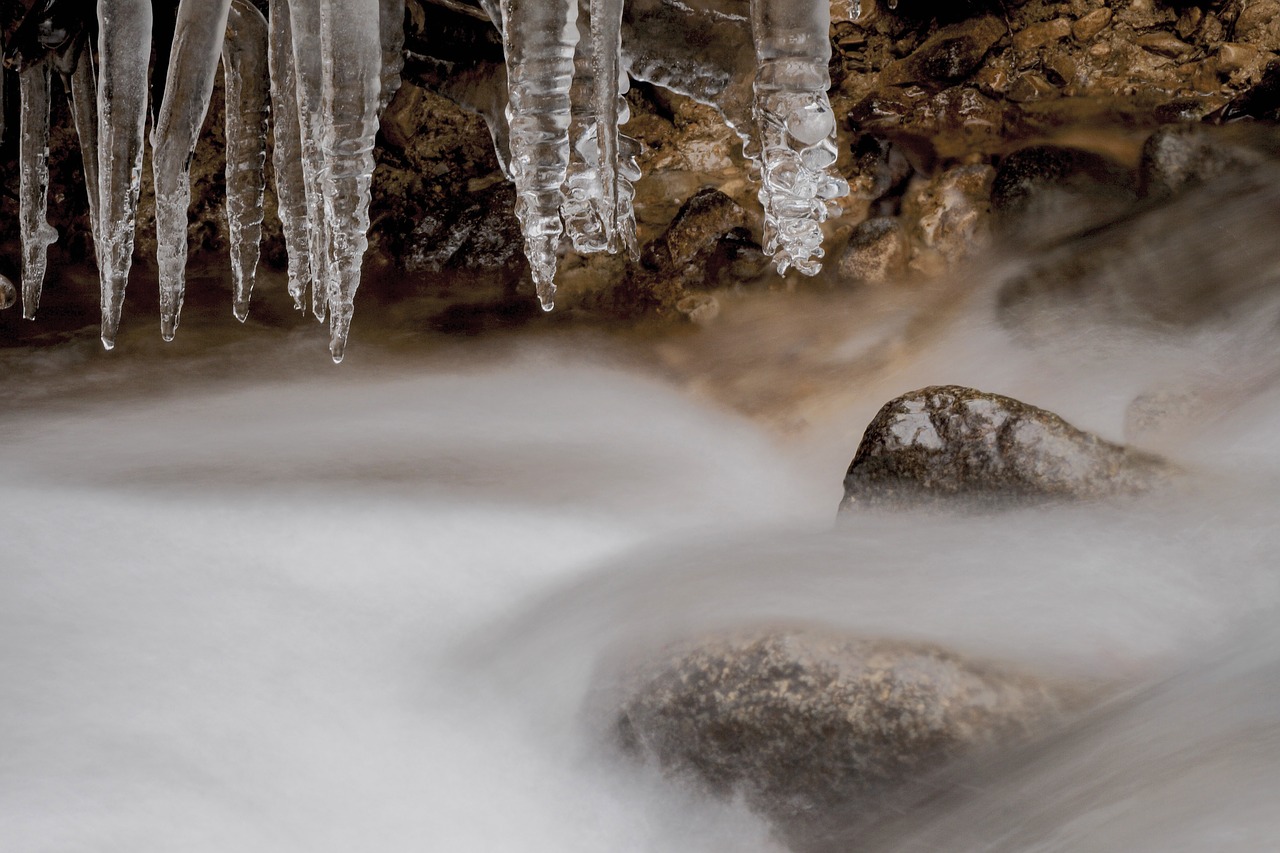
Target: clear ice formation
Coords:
[(33, 192), (597, 210), (539, 38), (84, 111), (319, 73), (197, 47), (308, 77), (247, 86), (797, 130), (124, 49), (291, 184), (351, 45)]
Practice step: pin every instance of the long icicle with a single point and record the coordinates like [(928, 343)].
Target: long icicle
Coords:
[(197, 46), (353, 63), (538, 38), (84, 109), (124, 48), (244, 68), (304, 31), (286, 154), (33, 191), (610, 112)]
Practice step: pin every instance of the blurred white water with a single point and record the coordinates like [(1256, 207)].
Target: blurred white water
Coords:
[(365, 612)]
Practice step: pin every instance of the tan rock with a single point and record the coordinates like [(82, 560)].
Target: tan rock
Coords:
[(1087, 27)]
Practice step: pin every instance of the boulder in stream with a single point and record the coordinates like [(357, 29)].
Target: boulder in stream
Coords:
[(816, 730), (950, 443)]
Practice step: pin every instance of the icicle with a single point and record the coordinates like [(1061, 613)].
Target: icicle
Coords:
[(124, 48), (84, 110), (304, 27), (197, 45), (617, 152), (391, 27), (33, 192), (245, 76), (291, 190), (352, 51), (796, 127), (538, 39)]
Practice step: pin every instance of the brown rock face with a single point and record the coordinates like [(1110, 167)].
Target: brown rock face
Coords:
[(949, 443), (815, 729)]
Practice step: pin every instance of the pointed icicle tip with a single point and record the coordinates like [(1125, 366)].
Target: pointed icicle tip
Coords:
[(240, 310), (547, 295), (168, 326), (108, 344)]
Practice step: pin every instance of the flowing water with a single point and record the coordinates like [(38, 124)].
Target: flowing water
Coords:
[(253, 602)]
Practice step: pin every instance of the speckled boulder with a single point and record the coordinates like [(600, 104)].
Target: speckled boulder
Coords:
[(815, 729), (949, 443)]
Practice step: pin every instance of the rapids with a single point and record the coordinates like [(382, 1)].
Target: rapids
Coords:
[(253, 602)]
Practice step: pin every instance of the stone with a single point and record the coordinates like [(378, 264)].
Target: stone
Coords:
[(1038, 35), (973, 449), (1164, 44), (1258, 23), (1042, 193), (1260, 101), (952, 53), (877, 252), (481, 234), (1087, 27), (706, 217), (814, 729), (1178, 157), (951, 216)]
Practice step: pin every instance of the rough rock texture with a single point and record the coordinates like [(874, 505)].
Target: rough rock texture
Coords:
[(814, 729), (877, 252), (949, 443)]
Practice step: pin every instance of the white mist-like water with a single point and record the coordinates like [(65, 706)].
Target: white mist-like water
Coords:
[(367, 615)]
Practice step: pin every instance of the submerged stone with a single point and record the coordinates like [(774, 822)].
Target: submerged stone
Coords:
[(950, 443), (815, 730)]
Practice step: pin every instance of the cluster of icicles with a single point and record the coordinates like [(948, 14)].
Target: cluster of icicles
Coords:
[(315, 74)]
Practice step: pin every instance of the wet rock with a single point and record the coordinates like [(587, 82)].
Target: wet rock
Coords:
[(1179, 157), (481, 234), (1259, 23), (1164, 44), (1038, 35), (1044, 192), (877, 252), (1089, 25), (952, 53), (815, 729), (950, 216), (707, 216), (950, 443), (1260, 101)]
